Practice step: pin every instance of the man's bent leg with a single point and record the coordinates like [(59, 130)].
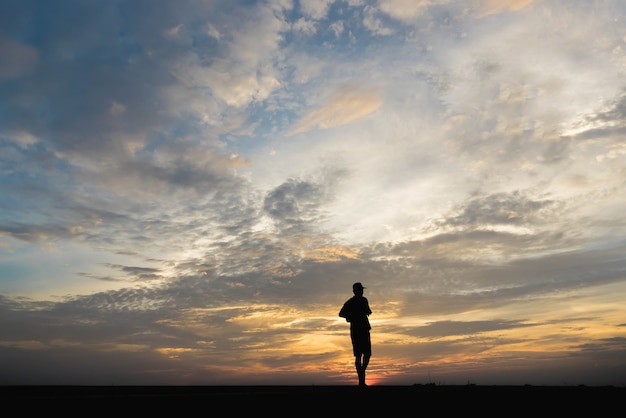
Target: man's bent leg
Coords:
[(366, 361)]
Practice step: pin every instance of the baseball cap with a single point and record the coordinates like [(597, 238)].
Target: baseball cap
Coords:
[(357, 285)]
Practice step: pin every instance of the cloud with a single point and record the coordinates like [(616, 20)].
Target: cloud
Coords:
[(492, 7), (407, 10), (344, 105), (502, 209), (315, 9), (23, 59), (292, 201)]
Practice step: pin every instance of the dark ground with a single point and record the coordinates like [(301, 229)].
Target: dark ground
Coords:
[(307, 400)]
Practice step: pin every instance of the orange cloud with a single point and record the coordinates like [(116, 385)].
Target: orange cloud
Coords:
[(493, 7), (344, 105)]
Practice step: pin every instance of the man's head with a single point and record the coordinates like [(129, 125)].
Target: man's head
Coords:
[(357, 288)]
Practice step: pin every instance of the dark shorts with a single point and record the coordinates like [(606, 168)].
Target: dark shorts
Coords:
[(361, 343)]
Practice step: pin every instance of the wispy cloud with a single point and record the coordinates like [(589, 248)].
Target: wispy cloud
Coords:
[(344, 105)]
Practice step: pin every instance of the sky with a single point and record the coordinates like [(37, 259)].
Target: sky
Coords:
[(189, 189)]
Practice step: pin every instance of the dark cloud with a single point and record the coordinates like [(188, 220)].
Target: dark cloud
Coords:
[(34, 233), (141, 273), (605, 125), (294, 204), (511, 208), (84, 68), (457, 328), (23, 58)]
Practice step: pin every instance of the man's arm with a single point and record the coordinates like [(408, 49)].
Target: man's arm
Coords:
[(344, 312)]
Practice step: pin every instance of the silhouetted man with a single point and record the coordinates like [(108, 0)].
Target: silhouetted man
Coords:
[(356, 311)]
